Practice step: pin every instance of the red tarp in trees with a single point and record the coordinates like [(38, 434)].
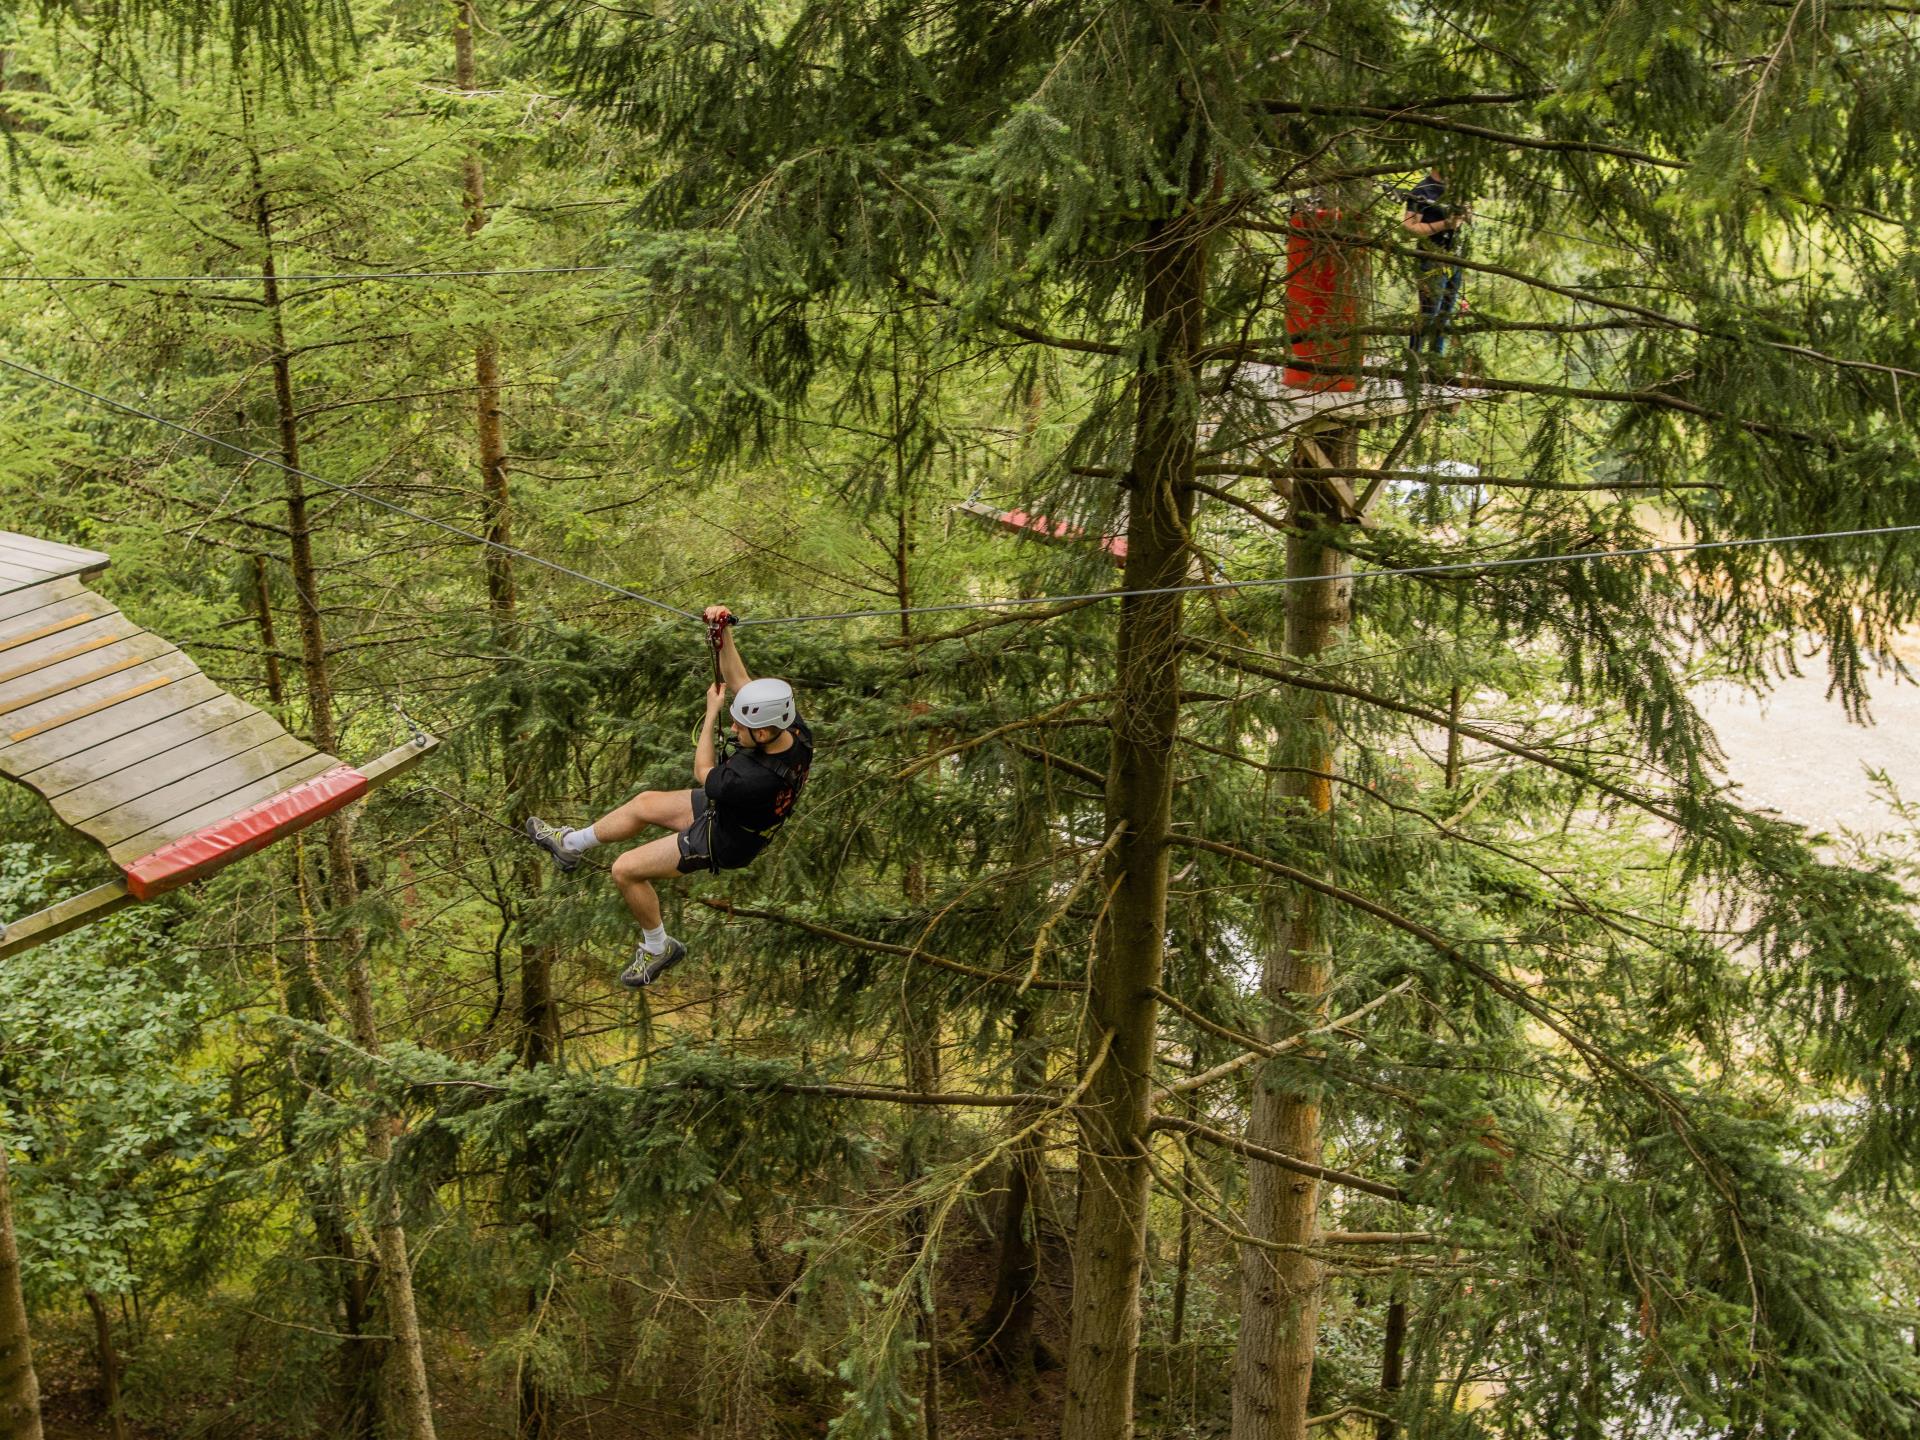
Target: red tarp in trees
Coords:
[(1321, 296)]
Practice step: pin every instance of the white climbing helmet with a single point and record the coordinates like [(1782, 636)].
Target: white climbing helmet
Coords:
[(764, 704)]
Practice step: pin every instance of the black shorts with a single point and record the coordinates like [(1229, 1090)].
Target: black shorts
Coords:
[(709, 845)]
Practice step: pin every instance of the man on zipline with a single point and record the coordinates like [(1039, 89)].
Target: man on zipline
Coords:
[(722, 824)]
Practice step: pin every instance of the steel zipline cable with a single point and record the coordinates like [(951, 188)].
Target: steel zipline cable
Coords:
[(1456, 567), (303, 277)]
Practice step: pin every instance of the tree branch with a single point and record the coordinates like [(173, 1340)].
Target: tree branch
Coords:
[(1280, 1047), (899, 642), (892, 1096), (1480, 132), (1594, 1055), (882, 947), (1220, 655), (1183, 1126), (1045, 717), (1059, 762)]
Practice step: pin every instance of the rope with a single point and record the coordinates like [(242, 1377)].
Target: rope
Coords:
[(1461, 567), (352, 490)]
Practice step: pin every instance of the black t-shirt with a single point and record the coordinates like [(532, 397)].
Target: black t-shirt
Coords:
[(752, 793), (1425, 198)]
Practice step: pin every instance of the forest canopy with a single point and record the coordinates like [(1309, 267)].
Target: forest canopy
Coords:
[(1253, 933)]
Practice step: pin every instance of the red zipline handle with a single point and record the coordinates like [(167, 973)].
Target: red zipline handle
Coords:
[(716, 636)]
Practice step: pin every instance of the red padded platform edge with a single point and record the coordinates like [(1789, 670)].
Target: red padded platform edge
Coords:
[(200, 854), (1114, 545)]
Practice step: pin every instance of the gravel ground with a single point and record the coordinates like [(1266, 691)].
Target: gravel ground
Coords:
[(1793, 750)]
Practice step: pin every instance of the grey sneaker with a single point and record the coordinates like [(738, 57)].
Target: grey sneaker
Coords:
[(646, 968), (548, 839)]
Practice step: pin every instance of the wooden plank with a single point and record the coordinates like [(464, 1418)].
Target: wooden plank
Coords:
[(70, 648), (84, 603), (168, 828), (90, 699), (27, 657), (19, 602), (52, 619), (80, 567), (69, 558), (25, 559), (67, 675), (20, 570), (181, 695), (44, 925), (153, 805), (204, 723), (28, 559), (118, 697), (202, 754), (15, 575), (26, 635)]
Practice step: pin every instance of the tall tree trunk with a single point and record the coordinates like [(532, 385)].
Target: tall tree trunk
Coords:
[(269, 641), (109, 1358), (539, 1030), (920, 1024), (1005, 1330), (1393, 1353), (1111, 1216), (19, 1390), (309, 1072), (1393, 1348), (396, 1267), (1183, 1251), (1280, 1290), (539, 1015), (919, 1018)]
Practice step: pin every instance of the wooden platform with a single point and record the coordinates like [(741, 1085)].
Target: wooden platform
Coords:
[(1271, 413), (130, 743), (26, 561), (1284, 406)]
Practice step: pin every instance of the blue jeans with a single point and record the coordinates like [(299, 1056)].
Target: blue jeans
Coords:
[(1439, 287)]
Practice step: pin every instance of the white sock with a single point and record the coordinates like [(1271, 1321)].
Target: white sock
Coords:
[(574, 841), (654, 941)]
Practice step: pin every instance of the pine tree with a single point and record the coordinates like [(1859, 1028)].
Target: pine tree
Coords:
[(1555, 1065), (1054, 181)]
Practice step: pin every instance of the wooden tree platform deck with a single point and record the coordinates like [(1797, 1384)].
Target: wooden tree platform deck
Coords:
[(1371, 400), (135, 748)]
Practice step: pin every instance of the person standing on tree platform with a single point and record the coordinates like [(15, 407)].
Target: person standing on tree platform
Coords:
[(731, 815), (1435, 225)]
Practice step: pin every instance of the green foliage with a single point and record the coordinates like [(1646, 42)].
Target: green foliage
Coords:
[(116, 1101), (1651, 1093)]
